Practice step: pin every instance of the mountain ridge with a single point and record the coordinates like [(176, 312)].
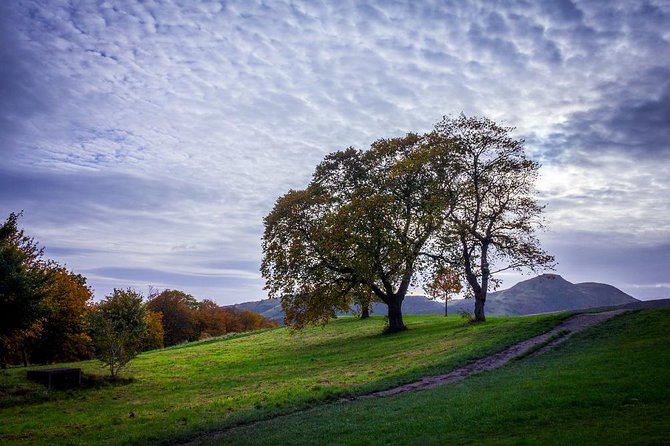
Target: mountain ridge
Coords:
[(541, 294)]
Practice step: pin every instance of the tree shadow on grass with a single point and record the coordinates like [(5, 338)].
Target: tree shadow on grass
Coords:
[(28, 393), (92, 381)]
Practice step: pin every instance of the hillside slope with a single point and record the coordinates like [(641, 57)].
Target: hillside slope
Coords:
[(187, 389), (607, 386)]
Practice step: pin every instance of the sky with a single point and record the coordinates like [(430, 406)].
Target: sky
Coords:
[(145, 141)]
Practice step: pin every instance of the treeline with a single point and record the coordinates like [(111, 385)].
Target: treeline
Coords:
[(182, 318), (47, 313)]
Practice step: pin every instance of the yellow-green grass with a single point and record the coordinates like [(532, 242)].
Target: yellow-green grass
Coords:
[(186, 390), (609, 385)]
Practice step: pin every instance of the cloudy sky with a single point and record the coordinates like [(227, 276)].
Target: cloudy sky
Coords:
[(145, 141)]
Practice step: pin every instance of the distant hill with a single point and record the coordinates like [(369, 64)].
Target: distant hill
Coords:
[(548, 293), (541, 294), (269, 308)]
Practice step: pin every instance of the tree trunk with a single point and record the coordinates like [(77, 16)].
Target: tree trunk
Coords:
[(24, 355), (365, 311), (446, 313), (396, 323), (480, 300), (3, 353)]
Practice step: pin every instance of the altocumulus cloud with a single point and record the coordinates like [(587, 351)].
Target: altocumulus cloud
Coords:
[(146, 141)]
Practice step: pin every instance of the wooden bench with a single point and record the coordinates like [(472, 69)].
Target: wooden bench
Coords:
[(57, 378)]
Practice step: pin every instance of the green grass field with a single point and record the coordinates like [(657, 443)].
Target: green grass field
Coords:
[(609, 385), (186, 390)]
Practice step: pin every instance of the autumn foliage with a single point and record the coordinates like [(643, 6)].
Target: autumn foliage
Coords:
[(186, 319), (43, 306), (64, 334), (47, 313)]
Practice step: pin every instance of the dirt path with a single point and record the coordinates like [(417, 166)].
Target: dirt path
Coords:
[(532, 346)]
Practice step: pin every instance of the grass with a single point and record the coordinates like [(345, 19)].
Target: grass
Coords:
[(182, 391), (607, 385)]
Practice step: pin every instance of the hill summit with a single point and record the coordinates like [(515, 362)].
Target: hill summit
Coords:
[(547, 293), (542, 294)]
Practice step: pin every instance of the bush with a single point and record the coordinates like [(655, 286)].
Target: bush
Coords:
[(465, 314)]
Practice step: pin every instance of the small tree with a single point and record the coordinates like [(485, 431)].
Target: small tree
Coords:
[(444, 283), (119, 329)]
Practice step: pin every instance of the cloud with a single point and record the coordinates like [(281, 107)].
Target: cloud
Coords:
[(633, 123), (155, 136)]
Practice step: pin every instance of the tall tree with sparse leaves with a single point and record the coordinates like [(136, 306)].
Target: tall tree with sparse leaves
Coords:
[(492, 227)]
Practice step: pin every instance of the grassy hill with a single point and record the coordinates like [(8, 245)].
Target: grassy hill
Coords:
[(185, 390), (608, 385)]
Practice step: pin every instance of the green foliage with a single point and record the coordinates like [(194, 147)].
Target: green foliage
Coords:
[(43, 306), (459, 197), (466, 315), (22, 277), (608, 385), (188, 389), (119, 329)]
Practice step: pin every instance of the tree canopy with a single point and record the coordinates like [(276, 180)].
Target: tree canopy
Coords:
[(362, 221), (64, 328), (379, 219), (23, 274)]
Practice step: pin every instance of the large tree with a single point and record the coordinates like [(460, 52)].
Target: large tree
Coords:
[(362, 223), (23, 274), (493, 224), (458, 197)]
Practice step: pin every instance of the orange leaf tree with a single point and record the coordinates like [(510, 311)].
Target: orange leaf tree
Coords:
[(445, 282)]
